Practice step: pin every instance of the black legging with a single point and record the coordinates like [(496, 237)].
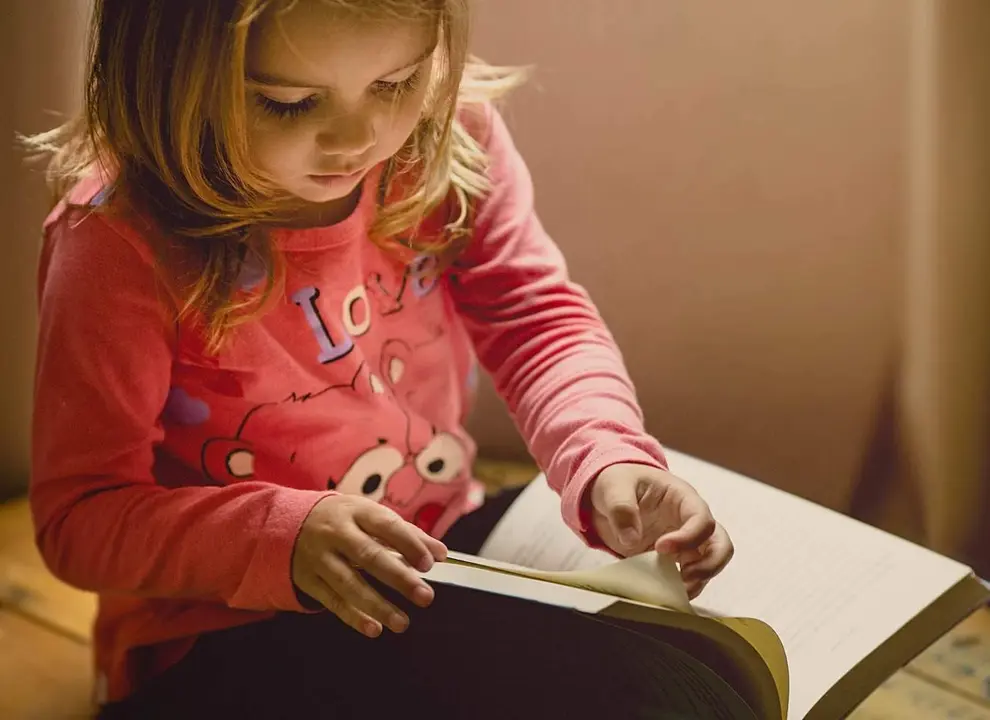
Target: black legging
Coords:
[(461, 658)]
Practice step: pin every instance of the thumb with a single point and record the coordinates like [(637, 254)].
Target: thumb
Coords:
[(620, 506)]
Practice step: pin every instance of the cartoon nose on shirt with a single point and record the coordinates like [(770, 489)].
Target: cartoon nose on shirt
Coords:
[(386, 473), (441, 461)]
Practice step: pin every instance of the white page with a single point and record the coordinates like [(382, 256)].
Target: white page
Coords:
[(833, 589), (519, 587), (533, 534)]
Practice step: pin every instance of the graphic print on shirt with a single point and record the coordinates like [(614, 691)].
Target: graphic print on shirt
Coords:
[(394, 455), (440, 457), (419, 277), (399, 459)]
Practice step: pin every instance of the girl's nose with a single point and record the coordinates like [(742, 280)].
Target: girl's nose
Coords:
[(348, 135)]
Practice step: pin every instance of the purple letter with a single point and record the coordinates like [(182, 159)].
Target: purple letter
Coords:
[(306, 299)]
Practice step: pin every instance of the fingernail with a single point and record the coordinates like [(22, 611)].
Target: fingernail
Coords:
[(372, 629), (422, 596), (425, 564), (398, 623)]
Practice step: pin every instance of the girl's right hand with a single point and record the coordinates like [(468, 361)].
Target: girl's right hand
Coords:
[(345, 534)]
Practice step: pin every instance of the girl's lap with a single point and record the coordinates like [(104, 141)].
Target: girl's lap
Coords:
[(461, 658)]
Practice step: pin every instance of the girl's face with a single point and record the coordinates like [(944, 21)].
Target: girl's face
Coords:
[(331, 96)]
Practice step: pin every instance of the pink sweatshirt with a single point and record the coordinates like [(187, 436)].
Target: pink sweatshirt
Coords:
[(174, 482)]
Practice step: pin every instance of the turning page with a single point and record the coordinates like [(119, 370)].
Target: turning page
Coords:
[(532, 534), (532, 539), (834, 589)]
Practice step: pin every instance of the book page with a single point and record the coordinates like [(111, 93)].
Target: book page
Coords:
[(746, 653), (687, 684), (477, 577), (689, 688), (532, 534), (833, 589), (649, 578)]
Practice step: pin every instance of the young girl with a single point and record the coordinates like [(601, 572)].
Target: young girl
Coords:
[(286, 229)]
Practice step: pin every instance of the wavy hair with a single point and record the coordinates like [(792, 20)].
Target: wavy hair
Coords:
[(164, 115)]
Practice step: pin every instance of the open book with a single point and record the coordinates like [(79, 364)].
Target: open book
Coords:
[(814, 612)]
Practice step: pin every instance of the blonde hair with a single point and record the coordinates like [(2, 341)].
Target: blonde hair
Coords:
[(172, 132)]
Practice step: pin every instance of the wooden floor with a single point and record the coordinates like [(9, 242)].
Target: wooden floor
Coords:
[(45, 653), (45, 671)]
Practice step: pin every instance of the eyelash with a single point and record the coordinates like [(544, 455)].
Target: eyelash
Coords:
[(283, 110), (291, 111)]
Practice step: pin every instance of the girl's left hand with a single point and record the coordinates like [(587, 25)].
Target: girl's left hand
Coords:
[(636, 508)]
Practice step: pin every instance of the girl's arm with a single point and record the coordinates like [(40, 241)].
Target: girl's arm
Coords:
[(542, 339), (103, 370)]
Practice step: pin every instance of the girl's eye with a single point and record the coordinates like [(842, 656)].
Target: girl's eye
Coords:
[(282, 110), (382, 88), (394, 90)]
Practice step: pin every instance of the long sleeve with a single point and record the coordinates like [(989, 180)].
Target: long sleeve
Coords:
[(537, 332), (103, 373)]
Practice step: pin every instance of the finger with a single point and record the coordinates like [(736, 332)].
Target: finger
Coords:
[(407, 539), (689, 556), (317, 588), (706, 569), (436, 547), (355, 591), (620, 506), (364, 552), (694, 589), (695, 530), (719, 552)]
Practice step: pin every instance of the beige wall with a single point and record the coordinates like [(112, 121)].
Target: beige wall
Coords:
[(728, 179), (716, 172), (41, 76)]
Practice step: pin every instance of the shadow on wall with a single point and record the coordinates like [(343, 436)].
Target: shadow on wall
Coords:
[(728, 181)]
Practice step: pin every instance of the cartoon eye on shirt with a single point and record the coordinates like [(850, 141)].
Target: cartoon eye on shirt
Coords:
[(406, 464), (370, 474), (442, 460)]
